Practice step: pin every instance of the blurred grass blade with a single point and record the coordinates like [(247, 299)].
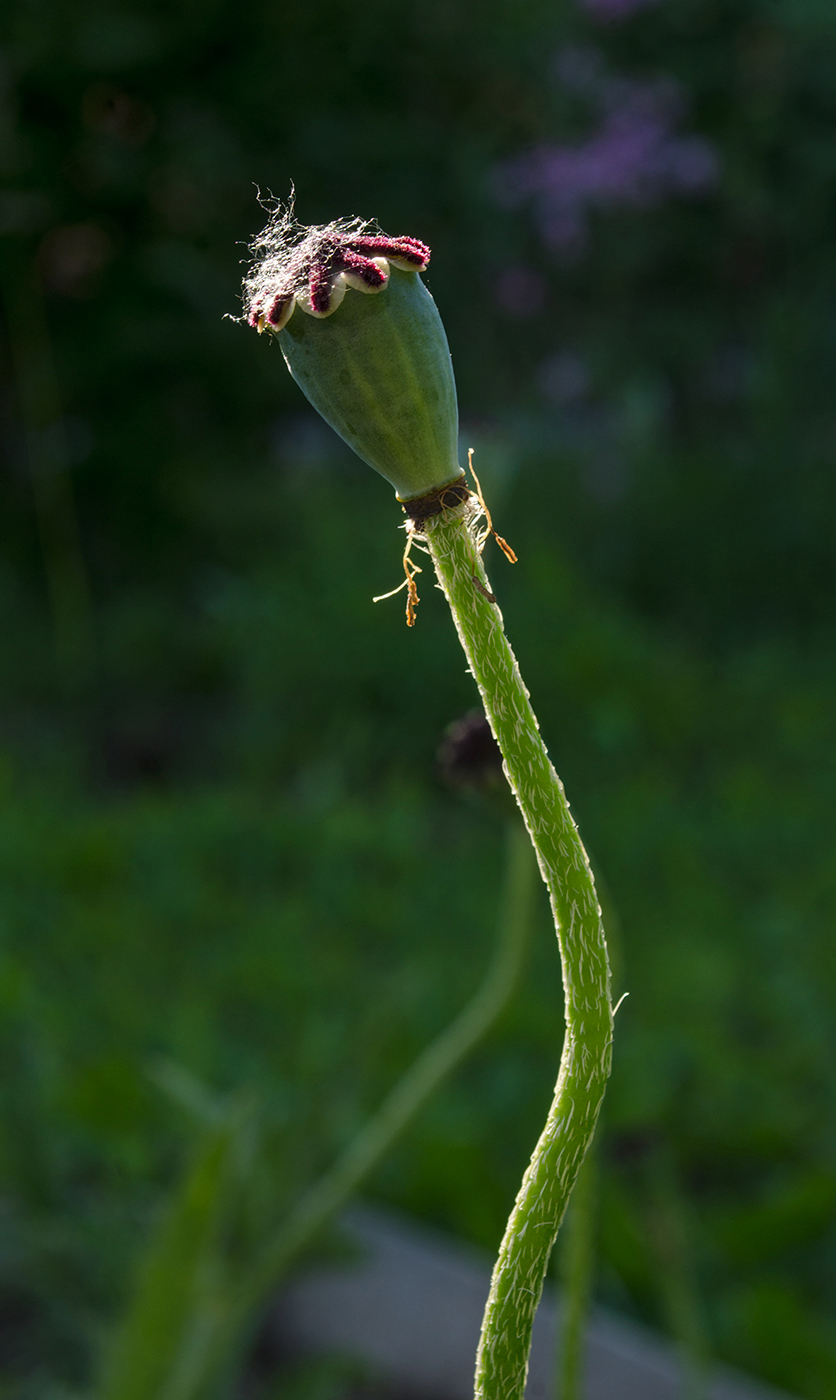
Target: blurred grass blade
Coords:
[(420, 1081), (181, 1297), (577, 1268), (676, 1272)]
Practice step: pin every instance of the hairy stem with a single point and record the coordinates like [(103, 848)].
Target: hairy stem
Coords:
[(502, 1358)]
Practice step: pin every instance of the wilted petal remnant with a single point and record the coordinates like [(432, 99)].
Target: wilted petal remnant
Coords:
[(312, 267)]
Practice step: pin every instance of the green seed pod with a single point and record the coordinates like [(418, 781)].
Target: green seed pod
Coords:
[(376, 367), (379, 372)]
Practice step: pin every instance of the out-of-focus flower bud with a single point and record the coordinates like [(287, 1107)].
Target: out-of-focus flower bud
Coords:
[(376, 367), (469, 756)]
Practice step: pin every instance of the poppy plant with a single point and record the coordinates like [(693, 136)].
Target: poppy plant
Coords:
[(362, 337)]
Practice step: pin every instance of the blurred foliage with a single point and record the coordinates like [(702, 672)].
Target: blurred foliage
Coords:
[(222, 845)]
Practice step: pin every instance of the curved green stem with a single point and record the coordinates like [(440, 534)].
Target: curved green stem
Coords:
[(502, 1359)]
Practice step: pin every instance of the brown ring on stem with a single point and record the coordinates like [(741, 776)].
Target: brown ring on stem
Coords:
[(422, 508)]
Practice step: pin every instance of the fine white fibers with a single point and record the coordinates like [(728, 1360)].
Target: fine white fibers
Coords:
[(285, 249)]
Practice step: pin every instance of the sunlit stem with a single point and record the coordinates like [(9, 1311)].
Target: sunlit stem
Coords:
[(517, 1283)]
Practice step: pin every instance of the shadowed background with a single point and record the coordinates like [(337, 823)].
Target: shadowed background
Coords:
[(227, 862)]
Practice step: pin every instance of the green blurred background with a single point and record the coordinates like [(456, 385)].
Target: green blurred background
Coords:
[(226, 857)]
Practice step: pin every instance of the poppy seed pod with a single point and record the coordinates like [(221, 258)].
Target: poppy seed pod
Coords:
[(376, 367), (362, 337)]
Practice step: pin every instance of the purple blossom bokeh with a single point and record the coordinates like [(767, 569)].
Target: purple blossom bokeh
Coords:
[(521, 291), (634, 156), (607, 10), (564, 378)]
